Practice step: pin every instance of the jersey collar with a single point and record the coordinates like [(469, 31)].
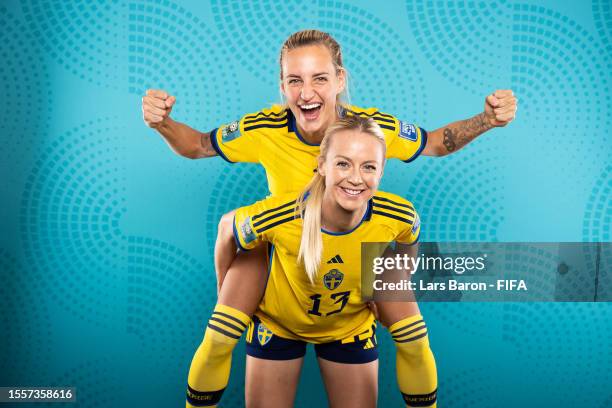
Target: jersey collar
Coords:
[(292, 127), (366, 217)]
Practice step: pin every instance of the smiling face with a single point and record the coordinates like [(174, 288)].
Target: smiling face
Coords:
[(352, 167), (311, 84)]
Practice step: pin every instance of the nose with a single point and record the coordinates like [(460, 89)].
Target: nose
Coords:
[(355, 177), (307, 92)]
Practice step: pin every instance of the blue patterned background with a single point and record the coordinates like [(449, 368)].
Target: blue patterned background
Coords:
[(107, 236)]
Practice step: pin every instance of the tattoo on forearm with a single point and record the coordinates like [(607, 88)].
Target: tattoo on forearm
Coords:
[(461, 133), (449, 140)]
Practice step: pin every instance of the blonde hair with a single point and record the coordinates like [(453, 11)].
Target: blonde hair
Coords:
[(310, 200), (315, 37)]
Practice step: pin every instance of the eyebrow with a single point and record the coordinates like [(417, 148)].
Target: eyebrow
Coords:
[(314, 75), (344, 157)]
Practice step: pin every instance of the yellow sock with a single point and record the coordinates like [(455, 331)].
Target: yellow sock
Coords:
[(210, 367), (416, 367)]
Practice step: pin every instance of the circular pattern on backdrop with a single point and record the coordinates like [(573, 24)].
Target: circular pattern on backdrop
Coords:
[(470, 387), (25, 87), (85, 37), (96, 385), (165, 41), (597, 227), (71, 206), (561, 78), (597, 221), (241, 184), (169, 295), (26, 345), (464, 41), (458, 199), (534, 264), (553, 338), (602, 14), (384, 71), (254, 32)]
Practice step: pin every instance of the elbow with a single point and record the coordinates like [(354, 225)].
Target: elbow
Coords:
[(441, 151), (436, 150), (190, 153)]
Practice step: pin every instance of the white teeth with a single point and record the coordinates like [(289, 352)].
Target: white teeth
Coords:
[(352, 192), (311, 106)]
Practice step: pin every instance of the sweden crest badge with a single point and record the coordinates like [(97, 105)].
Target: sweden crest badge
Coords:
[(333, 279), (264, 335)]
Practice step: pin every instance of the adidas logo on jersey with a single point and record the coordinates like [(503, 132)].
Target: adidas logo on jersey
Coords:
[(369, 344), (335, 259)]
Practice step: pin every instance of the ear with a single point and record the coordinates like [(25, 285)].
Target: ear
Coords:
[(341, 80), (321, 166), (281, 86)]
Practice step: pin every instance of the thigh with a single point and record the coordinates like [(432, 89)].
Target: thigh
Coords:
[(271, 383), (246, 279), (392, 312), (350, 385)]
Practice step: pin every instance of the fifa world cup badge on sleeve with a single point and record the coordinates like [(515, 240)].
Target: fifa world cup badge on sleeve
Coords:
[(415, 225), (231, 132), (407, 131), (247, 232)]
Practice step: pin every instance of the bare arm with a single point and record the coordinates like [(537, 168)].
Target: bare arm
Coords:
[(500, 109), (185, 141), (454, 136)]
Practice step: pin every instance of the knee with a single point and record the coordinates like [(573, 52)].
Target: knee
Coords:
[(226, 225), (414, 350), (411, 337)]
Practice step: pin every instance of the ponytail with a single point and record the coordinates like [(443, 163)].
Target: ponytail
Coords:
[(311, 245)]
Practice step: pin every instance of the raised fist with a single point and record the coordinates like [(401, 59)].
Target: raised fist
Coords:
[(500, 107), (156, 106)]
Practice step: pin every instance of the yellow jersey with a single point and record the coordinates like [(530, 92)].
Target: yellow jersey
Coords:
[(331, 309), (270, 137)]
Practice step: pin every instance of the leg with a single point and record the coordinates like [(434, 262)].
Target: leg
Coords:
[(416, 367), (243, 288), (350, 385), (245, 281), (223, 256), (210, 367), (271, 383), (350, 370)]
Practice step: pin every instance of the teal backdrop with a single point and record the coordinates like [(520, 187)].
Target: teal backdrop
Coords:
[(107, 236)]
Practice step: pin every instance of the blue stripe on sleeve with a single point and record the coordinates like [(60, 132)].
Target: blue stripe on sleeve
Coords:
[(236, 237), (421, 147), (215, 145)]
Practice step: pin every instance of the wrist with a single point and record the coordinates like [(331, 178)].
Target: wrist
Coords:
[(165, 125), (486, 121)]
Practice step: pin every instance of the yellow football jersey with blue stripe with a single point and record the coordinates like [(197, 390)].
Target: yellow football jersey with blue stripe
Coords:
[(271, 137), (331, 309)]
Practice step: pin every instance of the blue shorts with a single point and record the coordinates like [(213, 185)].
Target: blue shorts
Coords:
[(268, 346)]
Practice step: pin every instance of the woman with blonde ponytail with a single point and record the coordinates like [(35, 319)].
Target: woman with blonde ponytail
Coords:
[(313, 292)]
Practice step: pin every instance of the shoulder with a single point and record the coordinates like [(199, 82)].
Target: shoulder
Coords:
[(386, 121), (391, 208), (274, 211), (272, 117)]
